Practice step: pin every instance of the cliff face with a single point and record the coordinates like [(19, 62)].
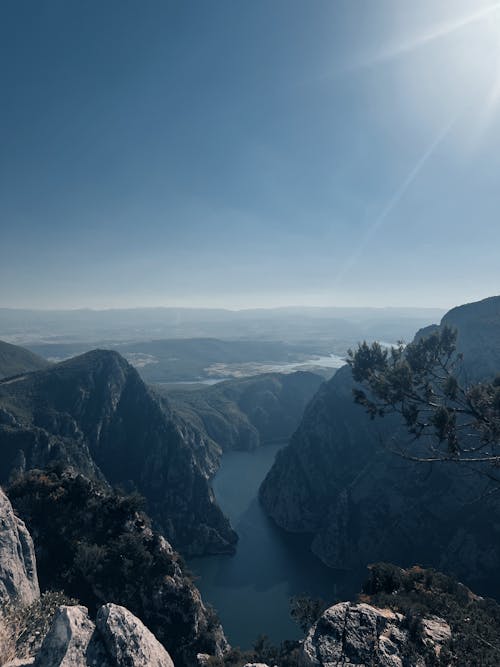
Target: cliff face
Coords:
[(245, 413), (18, 578), (94, 413), (338, 481)]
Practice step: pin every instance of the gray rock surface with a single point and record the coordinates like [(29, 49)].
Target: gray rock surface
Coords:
[(118, 639), (361, 635), (128, 642), (18, 577), (67, 640)]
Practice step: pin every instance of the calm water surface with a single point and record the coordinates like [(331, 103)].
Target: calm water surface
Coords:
[(251, 590)]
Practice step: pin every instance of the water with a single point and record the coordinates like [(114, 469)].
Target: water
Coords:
[(251, 589)]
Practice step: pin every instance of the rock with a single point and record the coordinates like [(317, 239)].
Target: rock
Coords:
[(435, 632), (118, 639), (361, 635), (18, 577), (128, 642), (67, 640), (355, 634)]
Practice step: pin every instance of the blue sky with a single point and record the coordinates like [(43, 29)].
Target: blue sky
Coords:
[(246, 153)]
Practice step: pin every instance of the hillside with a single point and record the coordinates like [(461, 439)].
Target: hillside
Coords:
[(15, 360), (94, 413), (245, 413)]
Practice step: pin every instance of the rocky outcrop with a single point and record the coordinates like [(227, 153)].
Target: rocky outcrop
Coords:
[(97, 545), (95, 414), (67, 641), (127, 640), (18, 577), (340, 481), (246, 413), (117, 639), (360, 635)]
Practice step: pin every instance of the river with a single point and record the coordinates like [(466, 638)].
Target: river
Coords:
[(251, 589)]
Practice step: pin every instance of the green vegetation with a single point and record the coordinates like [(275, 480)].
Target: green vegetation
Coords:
[(306, 610), (422, 383), (419, 593), (98, 546), (263, 651)]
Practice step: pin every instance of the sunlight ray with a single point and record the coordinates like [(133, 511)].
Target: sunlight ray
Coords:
[(394, 200), (431, 35)]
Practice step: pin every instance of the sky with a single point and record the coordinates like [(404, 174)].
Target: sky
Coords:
[(249, 153)]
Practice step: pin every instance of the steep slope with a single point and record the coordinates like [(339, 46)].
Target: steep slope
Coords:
[(93, 412), (245, 413), (478, 326), (99, 547), (338, 481), (18, 576), (15, 360)]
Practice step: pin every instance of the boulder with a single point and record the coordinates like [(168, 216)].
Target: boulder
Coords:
[(357, 634), (118, 639), (127, 640), (18, 577), (67, 640), (361, 634)]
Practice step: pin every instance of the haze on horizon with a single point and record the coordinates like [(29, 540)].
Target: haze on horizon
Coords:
[(249, 154)]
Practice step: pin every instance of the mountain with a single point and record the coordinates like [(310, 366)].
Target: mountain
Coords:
[(245, 413), (338, 480), (15, 360), (94, 413)]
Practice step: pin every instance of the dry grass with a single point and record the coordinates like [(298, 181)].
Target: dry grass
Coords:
[(22, 628)]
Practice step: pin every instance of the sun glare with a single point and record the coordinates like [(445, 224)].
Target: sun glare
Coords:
[(450, 68)]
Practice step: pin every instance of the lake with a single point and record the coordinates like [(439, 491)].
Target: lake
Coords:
[(251, 589)]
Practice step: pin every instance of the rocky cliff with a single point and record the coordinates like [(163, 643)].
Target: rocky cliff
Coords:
[(116, 639), (245, 413), (338, 481), (95, 414), (18, 577)]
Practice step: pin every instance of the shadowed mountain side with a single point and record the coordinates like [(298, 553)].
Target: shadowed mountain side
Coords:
[(15, 360), (243, 414), (93, 412), (339, 481)]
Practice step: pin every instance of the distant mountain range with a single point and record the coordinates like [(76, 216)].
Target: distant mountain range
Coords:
[(340, 326)]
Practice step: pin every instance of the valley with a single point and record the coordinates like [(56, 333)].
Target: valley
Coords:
[(272, 485), (251, 589)]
